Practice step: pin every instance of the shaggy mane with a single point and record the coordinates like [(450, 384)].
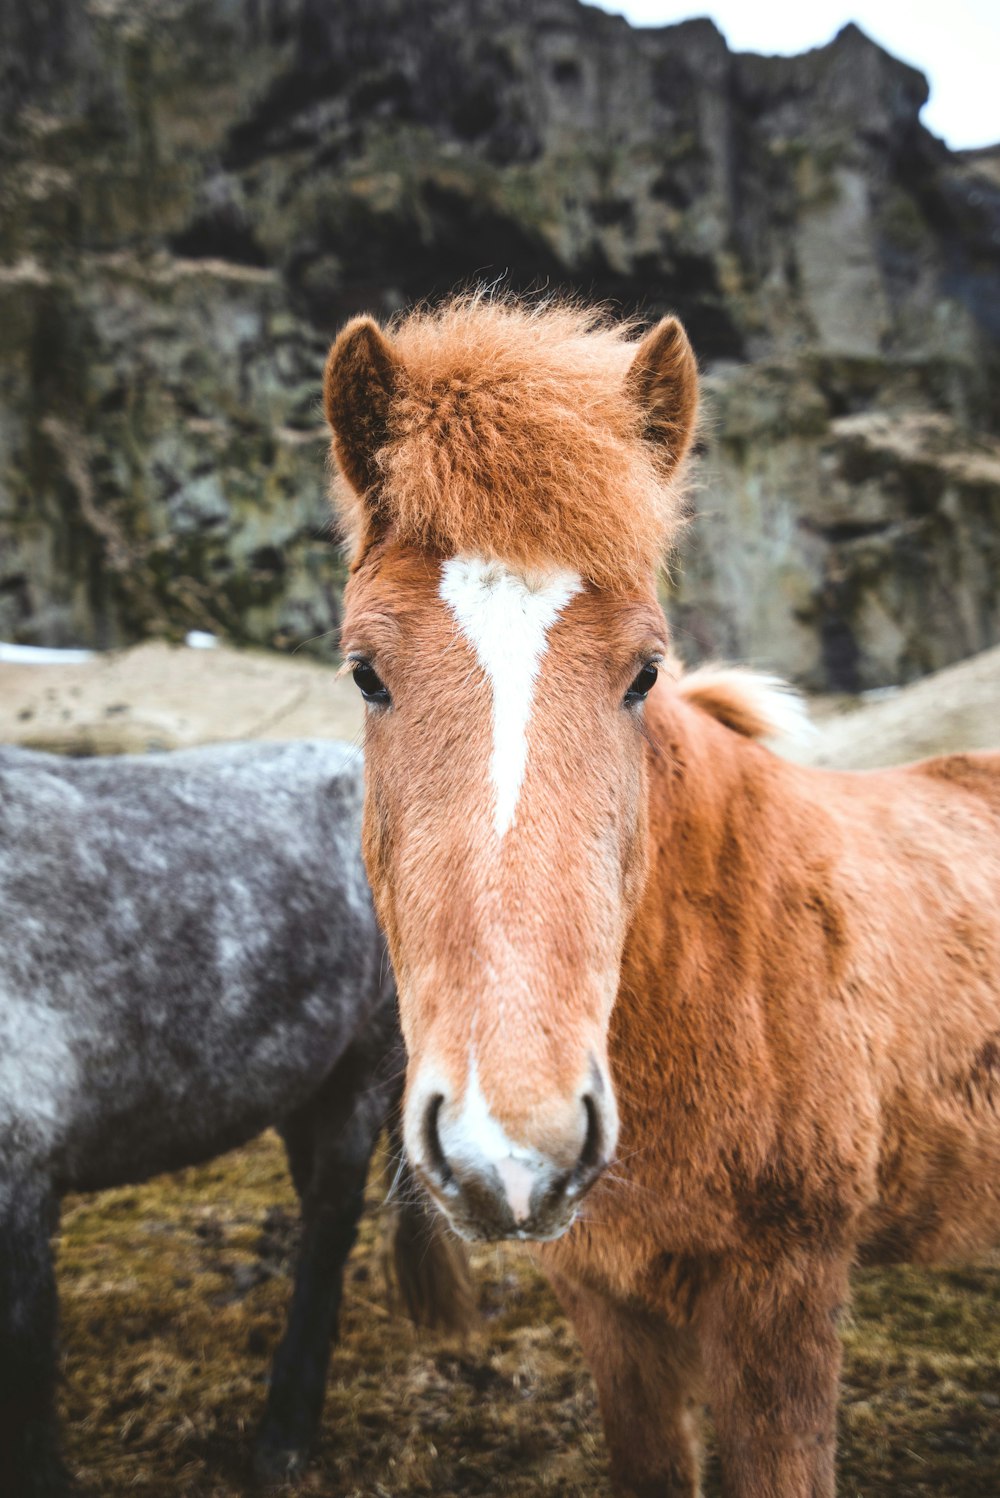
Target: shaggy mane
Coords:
[(513, 434), (757, 705)]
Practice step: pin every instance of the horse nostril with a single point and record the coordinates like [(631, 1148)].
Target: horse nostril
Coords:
[(591, 1161), (432, 1140)]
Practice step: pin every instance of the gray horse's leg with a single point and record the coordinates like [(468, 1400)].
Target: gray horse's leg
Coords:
[(29, 1453), (330, 1144)]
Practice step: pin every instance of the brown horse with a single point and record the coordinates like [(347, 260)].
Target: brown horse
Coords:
[(718, 1024)]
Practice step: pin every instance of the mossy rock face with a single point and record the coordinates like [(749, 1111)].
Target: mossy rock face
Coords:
[(174, 474), (195, 195), (848, 552)]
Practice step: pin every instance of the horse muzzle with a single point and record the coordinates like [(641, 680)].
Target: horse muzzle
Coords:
[(491, 1185)]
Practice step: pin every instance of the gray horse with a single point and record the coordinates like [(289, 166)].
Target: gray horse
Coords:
[(188, 953)]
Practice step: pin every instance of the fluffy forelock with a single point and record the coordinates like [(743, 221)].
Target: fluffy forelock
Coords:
[(514, 435)]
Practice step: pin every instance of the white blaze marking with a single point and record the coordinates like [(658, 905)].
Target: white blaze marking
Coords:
[(476, 1131), (475, 1136), (518, 1181), (506, 618)]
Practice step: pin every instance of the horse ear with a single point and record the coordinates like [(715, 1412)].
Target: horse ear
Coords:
[(663, 378), (360, 382)]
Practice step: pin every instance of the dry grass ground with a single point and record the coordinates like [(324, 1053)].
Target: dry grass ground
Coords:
[(173, 1293), (173, 1296)]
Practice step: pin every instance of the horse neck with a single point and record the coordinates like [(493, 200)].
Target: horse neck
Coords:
[(725, 825), (717, 803)]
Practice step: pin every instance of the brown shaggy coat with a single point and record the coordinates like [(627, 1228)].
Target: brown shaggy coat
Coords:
[(805, 1043), (806, 1049)]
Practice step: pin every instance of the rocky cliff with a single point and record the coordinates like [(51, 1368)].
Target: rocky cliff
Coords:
[(196, 192)]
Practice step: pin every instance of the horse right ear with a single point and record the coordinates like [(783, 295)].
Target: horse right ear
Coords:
[(664, 380), (359, 385)]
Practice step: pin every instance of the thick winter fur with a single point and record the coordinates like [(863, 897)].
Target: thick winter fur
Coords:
[(487, 427), (791, 977), (188, 953)]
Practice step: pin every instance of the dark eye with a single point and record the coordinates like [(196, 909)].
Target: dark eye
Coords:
[(641, 686), (373, 689)]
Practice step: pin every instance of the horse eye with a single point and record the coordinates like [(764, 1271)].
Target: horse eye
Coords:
[(641, 686), (373, 689)]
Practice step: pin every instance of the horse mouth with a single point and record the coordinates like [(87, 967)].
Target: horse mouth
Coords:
[(478, 1213)]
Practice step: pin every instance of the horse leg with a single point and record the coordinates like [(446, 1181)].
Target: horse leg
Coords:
[(29, 1451), (330, 1144), (773, 1355), (648, 1383)]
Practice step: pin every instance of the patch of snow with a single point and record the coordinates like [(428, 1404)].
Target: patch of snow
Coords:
[(41, 655)]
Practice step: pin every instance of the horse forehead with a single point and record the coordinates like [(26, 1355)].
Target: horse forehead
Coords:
[(504, 613), (509, 615)]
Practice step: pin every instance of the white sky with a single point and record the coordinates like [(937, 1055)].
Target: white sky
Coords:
[(956, 43)]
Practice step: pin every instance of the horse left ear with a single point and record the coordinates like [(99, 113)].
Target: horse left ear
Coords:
[(663, 378), (362, 376)]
